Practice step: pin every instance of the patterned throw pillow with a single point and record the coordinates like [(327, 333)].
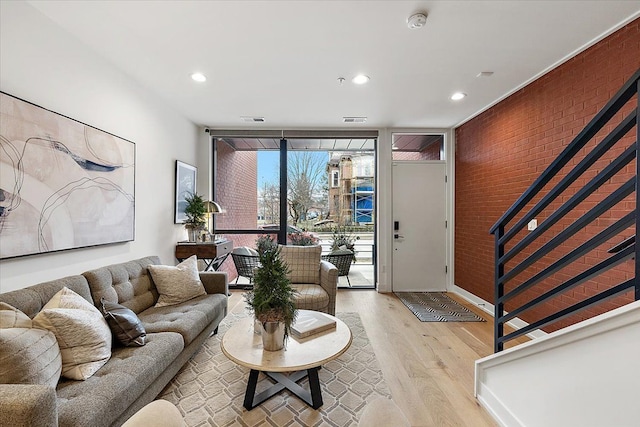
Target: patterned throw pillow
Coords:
[(177, 284), (304, 263), (82, 333), (27, 356), (124, 324)]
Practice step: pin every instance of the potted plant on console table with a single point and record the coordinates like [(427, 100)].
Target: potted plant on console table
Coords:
[(196, 212), (272, 297)]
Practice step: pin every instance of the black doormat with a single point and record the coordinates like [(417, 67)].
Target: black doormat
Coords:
[(437, 307)]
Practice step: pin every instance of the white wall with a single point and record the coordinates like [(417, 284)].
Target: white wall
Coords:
[(585, 375), (43, 64)]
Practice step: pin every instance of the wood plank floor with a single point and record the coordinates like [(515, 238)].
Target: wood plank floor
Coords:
[(428, 366)]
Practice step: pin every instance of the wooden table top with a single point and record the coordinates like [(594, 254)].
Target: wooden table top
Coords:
[(241, 345)]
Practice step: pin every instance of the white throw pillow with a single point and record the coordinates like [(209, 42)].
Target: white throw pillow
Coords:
[(177, 284), (82, 333)]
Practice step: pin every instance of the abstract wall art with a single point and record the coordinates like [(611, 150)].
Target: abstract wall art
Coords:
[(63, 184)]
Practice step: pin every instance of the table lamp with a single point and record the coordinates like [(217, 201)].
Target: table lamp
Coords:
[(212, 208)]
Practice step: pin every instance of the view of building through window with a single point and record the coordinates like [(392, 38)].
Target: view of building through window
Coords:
[(327, 190)]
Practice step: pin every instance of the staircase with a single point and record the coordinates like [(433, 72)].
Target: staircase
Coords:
[(573, 275)]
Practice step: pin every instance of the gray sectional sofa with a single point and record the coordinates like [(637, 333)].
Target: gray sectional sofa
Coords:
[(133, 376)]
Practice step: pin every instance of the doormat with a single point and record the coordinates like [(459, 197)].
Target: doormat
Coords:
[(437, 307)]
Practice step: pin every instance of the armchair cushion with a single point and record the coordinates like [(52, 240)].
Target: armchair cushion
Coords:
[(304, 263)]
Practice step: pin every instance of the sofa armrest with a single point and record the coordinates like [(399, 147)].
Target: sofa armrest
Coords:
[(28, 405), (329, 282), (215, 282)]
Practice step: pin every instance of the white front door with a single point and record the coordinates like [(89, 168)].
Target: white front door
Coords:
[(419, 214)]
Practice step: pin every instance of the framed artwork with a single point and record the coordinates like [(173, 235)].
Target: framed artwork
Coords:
[(63, 184), (185, 186)]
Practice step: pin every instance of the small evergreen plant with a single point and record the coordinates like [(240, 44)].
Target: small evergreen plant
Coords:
[(272, 297), (195, 211)]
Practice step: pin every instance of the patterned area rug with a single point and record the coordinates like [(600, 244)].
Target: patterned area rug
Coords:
[(209, 390), (436, 307)]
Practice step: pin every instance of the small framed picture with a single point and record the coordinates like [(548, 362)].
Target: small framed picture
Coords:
[(185, 186)]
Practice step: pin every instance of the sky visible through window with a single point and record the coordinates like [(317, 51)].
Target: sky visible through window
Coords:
[(269, 165)]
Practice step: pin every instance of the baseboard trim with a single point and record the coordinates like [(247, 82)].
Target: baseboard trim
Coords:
[(496, 408), (489, 308)]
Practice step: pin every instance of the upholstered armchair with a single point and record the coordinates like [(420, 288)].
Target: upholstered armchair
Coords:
[(315, 280)]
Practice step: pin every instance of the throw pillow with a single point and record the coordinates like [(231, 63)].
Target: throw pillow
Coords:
[(29, 356), (245, 250), (177, 284), (11, 317), (124, 324), (82, 333)]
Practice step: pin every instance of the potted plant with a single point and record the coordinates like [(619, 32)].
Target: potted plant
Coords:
[(272, 297), (342, 240), (302, 239), (195, 212)]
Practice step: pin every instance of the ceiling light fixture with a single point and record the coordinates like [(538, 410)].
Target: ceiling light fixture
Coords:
[(458, 96), (199, 77), (417, 20), (360, 79)]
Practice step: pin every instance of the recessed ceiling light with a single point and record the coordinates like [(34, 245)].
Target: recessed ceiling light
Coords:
[(458, 96), (199, 77), (360, 79)]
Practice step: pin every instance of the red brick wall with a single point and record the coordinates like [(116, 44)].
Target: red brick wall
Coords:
[(236, 191), (502, 151)]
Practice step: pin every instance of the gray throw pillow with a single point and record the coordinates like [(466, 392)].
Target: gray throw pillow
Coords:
[(124, 324)]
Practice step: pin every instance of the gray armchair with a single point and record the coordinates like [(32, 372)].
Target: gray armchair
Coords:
[(315, 280)]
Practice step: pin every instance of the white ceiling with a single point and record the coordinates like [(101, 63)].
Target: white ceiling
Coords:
[(281, 59)]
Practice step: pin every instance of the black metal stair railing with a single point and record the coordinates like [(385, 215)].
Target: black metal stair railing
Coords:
[(525, 256)]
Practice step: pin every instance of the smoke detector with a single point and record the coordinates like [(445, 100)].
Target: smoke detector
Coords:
[(417, 20)]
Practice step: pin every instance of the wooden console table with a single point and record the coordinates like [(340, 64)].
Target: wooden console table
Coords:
[(212, 253)]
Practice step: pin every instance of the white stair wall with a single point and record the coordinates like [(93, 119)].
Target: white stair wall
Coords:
[(586, 375)]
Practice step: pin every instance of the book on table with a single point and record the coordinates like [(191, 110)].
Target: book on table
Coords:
[(311, 322)]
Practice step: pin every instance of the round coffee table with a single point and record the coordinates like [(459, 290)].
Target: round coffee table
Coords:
[(303, 357)]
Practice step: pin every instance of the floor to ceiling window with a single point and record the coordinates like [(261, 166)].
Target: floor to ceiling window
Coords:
[(299, 190)]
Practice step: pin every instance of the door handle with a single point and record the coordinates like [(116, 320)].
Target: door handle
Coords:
[(398, 236)]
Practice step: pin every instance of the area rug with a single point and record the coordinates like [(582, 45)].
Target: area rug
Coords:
[(209, 390), (437, 307)]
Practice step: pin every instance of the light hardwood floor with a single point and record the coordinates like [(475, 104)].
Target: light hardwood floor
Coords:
[(428, 366)]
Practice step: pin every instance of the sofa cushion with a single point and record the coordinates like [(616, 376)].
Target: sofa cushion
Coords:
[(177, 284), (11, 317), (101, 399), (29, 356), (82, 333), (311, 297), (188, 319), (124, 324), (127, 283), (303, 261)]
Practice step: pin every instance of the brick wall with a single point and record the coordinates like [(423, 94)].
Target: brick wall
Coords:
[(502, 151), (236, 191)]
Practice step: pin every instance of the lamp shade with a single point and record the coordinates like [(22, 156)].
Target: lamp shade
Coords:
[(213, 207)]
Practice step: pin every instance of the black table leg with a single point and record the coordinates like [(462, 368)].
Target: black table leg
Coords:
[(251, 389), (313, 397), (314, 386)]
